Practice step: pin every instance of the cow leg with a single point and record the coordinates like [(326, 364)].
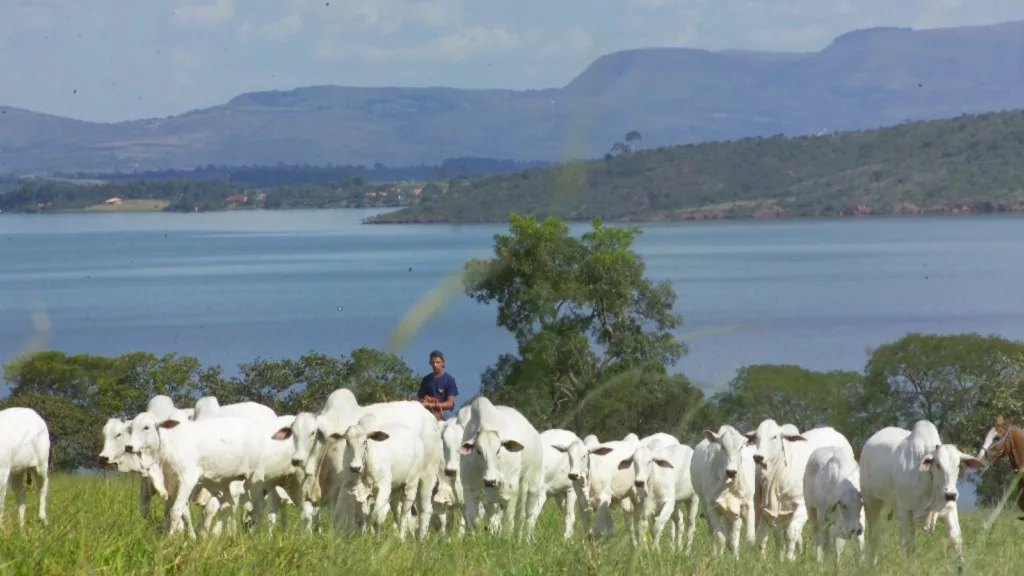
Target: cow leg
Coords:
[(872, 516), (734, 535), (715, 530), (907, 530), (953, 520), (815, 516), (794, 531), (569, 506), (145, 493), (691, 521), (17, 484), (666, 511), (762, 534)]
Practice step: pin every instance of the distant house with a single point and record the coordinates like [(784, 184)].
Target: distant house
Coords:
[(113, 201), (243, 198)]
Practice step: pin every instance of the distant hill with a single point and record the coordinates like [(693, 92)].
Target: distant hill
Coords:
[(863, 79), (966, 164)]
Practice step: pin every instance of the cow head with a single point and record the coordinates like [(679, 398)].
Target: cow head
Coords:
[(770, 442), (451, 441), (488, 444), (943, 466), (643, 462), (731, 443), (579, 456), (356, 438)]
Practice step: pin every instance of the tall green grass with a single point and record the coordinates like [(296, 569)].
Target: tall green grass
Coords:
[(95, 528)]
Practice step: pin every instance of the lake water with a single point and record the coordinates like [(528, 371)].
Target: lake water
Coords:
[(228, 287)]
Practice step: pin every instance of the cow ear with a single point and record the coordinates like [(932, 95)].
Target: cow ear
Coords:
[(560, 448), (626, 463), (600, 450), (168, 424), (336, 436), (282, 434), (795, 438), (751, 437), (971, 462), (709, 436), (512, 446), (466, 448), (378, 436), (663, 463), (926, 463)]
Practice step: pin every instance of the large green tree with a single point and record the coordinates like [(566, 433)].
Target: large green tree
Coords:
[(588, 324)]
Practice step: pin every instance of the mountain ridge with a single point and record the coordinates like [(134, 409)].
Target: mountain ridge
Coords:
[(863, 79)]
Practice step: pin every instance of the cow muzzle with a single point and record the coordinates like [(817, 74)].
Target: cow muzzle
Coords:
[(759, 459), (103, 460), (730, 474), (490, 483), (573, 476), (296, 462), (355, 469), (450, 472), (950, 496)]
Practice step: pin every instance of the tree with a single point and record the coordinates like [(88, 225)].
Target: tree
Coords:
[(580, 310), (792, 394), (945, 379)]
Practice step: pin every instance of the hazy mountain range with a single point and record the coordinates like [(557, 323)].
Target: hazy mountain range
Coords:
[(863, 79)]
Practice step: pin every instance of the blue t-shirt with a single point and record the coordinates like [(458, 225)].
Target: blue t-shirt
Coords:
[(440, 387)]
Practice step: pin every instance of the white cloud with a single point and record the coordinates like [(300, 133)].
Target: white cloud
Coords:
[(205, 14), (454, 47)]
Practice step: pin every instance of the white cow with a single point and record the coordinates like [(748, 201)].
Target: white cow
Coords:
[(449, 500), (832, 496), (565, 461), (781, 458), (283, 481), (664, 488), (211, 452), (319, 448), (151, 478), (611, 481), (659, 439), (209, 407), (723, 476), (590, 440), (259, 414), (506, 463), (24, 454), (387, 457), (914, 474)]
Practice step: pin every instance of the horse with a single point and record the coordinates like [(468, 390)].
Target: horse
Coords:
[(1006, 440)]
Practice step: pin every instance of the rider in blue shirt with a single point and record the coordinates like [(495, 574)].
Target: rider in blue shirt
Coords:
[(438, 385)]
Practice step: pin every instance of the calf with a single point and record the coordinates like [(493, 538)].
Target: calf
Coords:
[(449, 498), (24, 454), (565, 460), (664, 488), (507, 464), (915, 474), (391, 456), (781, 459), (832, 496), (212, 452), (722, 471), (611, 481)]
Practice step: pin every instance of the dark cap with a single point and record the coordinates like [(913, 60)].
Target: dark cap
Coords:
[(437, 354)]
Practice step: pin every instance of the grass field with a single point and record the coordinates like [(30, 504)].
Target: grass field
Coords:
[(130, 205), (95, 528)]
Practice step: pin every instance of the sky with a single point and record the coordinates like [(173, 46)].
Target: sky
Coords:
[(112, 60)]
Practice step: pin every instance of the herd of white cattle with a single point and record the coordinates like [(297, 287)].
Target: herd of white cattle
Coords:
[(489, 467)]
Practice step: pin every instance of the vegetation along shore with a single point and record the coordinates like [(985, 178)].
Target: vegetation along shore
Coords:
[(962, 165)]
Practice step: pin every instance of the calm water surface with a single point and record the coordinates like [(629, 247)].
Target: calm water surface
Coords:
[(228, 287)]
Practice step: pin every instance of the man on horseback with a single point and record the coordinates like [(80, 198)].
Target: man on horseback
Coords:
[(437, 389)]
